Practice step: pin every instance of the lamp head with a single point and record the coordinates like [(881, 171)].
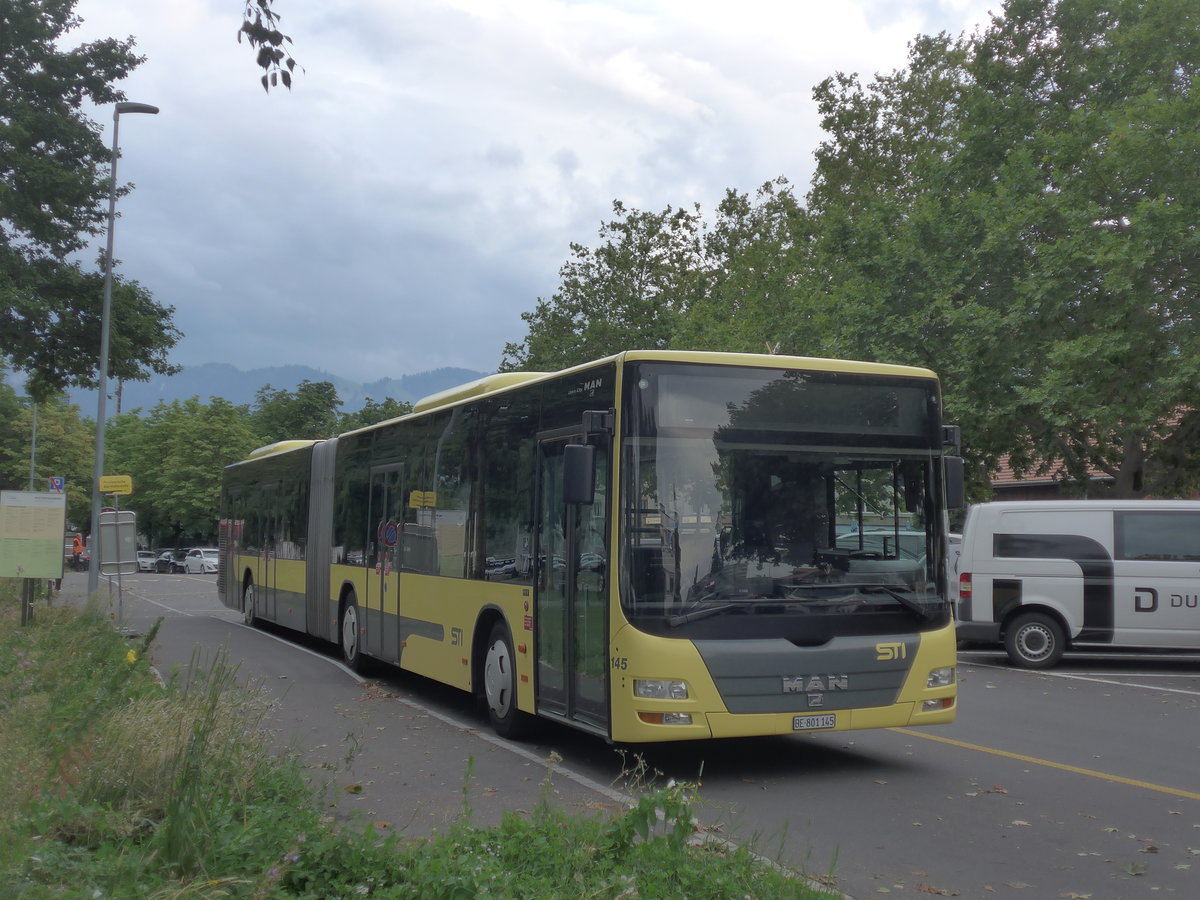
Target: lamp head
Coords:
[(126, 106)]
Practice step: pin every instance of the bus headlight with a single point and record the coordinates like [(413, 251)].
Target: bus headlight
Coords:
[(660, 690), (940, 677)]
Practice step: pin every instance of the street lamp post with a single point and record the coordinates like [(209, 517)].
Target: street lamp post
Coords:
[(98, 471)]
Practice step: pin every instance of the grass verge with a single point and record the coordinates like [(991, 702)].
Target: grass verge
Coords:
[(117, 786)]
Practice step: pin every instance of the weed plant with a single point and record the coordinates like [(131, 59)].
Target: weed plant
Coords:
[(117, 785)]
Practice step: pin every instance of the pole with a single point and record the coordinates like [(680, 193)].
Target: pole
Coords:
[(105, 315), (26, 602), (33, 446), (101, 411)]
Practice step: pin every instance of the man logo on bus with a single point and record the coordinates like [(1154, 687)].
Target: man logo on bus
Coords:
[(799, 684)]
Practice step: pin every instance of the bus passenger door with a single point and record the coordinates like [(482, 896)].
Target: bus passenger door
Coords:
[(570, 598), (382, 601)]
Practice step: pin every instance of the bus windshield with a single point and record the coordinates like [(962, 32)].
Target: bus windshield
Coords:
[(776, 502)]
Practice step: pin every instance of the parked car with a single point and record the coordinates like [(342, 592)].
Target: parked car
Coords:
[(170, 561), (145, 560), (1044, 576), (201, 561)]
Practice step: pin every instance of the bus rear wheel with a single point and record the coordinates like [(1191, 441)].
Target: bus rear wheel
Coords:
[(500, 685), (249, 610), (350, 635), (1034, 641)]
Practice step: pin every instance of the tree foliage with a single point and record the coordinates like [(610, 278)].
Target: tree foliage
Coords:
[(1019, 209), (1016, 209), (65, 444), (52, 324), (752, 269), (54, 188), (175, 455), (374, 412), (53, 161), (260, 26), (308, 413), (627, 293)]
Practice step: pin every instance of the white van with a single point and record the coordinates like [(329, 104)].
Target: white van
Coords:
[(1045, 575)]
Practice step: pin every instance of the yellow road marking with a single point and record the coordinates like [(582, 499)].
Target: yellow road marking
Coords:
[(1033, 760)]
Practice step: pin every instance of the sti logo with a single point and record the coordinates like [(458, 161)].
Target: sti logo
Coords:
[(890, 651)]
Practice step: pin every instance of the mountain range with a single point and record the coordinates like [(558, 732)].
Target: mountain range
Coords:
[(239, 387)]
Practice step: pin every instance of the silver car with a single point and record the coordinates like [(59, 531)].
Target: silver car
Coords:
[(201, 561)]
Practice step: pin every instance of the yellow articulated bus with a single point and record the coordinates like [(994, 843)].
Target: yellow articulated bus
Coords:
[(655, 546)]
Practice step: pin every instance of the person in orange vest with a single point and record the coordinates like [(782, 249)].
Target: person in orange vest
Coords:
[(76, 552)]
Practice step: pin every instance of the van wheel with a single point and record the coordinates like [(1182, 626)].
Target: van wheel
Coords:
[(350, 635), (1034, 641), (500, 685)]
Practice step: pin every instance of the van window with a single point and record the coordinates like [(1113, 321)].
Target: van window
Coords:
[(1158, 536)]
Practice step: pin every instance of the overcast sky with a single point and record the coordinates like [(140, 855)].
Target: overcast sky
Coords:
[(419, 187)]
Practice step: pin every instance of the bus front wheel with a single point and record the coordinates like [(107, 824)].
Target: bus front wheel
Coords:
[(500, 685), (351, 634), (1034, 641)]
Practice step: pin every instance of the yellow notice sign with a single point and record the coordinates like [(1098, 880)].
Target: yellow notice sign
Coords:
[(116, 484)]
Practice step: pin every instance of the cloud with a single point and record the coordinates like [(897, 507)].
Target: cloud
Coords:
[(420, 185)]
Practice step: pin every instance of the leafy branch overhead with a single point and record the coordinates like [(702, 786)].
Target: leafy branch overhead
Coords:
[(260, 27), (54, 192)]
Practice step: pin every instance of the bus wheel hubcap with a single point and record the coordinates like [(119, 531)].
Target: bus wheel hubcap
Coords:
[(350, 630), (497, 678)]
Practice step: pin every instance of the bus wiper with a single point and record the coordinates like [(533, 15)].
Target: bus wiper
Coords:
[(703, 613), (907, 602)]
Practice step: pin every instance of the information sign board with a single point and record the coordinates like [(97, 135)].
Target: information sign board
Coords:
[(32, 525)]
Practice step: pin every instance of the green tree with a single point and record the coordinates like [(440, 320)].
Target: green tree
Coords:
[(51, 325), (1017, 209), (175, 455), (65, 444), (372, 413), (754, 262), (308, 413), (54, 188), (626, 294)]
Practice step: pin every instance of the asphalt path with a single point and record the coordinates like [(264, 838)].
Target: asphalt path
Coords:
[(1077, 783)]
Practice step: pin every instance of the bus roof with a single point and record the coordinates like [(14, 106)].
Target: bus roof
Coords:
[(279, 447), (477, 388), (503, 380)]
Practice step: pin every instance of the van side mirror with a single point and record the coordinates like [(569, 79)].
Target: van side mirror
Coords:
[(956, 486), (579, 473)]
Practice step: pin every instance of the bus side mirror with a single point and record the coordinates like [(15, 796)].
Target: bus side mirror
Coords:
[(956, 488), (579, 473)]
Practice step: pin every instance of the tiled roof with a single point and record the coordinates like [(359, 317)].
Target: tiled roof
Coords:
[(1004, 475)]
